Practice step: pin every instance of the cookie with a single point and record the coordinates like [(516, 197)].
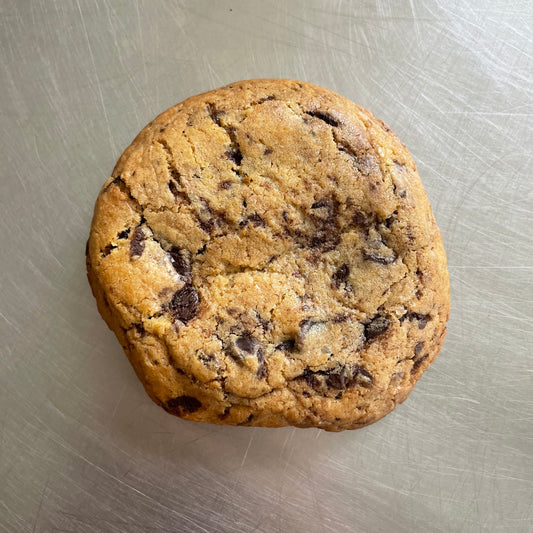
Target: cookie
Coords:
[(267, 256)]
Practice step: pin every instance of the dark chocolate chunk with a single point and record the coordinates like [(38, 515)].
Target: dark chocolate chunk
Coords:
[(341, 275), (363, 162), (183, 405), (421, 318), (339, 319), (139, 328), (180, 260), (376, 258), (326, 233), (376, 327), (184, 304), (390, 220), (225, 185), (201, 250), (247, 343), (361, 219), (257, 220), (266, 98), (250, 416), (107, 250), (124, 234), (261, 369), (215, 114), (208, 218), (329, 203), (341, 377), (418, 347), (173, 188), (286, 346), (137, 242), (418, 363), (325, 117), (268, 151), (234, 154), (306, 326)]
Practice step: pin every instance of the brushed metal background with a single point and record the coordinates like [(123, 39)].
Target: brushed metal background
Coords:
[(82, 448)]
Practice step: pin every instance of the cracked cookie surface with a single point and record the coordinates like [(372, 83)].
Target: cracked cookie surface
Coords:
[(267, 256)]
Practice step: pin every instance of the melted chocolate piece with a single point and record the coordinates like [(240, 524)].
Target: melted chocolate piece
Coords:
[(183, 405), (341, 377), (375, 258), (376, 327), (137, 242), (286, 346), (107, 250), (341, 275), (184, 304), (325, 117), (180, 260), (418, 347), (422, 319)]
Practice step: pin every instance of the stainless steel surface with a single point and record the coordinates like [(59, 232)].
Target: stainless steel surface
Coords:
[(82, 448)]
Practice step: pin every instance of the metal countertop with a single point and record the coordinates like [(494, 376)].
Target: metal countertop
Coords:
[(83, 449)]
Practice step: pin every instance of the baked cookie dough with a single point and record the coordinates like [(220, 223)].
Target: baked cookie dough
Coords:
[(267, 256)]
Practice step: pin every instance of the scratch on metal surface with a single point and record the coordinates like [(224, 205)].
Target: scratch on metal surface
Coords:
[(97, 77), (248, 447)]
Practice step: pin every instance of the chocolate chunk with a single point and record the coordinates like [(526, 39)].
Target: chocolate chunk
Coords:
[(329, 203), (327, 240), (306, 327), (341, 377), (234, 154), (418, 347), (418, 363), (173, 189), (326, 234), (180, 260), (247, 343), (363, 162), (184, 304), (286, 346), (107, 250), (124, 234), (391, 220), (137, 242), (226, 185), (341, 275), (379, 325), (245, 346), (208, 218), (215, 114), (361, 219), (183, 405), (201, 250), (268, 151), (375, 258), (257, 220), (339, 319), (261, 369), (139, 328), (325, 117), (422, 319)]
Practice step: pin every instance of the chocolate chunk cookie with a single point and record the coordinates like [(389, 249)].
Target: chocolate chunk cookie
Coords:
[(267, 256)]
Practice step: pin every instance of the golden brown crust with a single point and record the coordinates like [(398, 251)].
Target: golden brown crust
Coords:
[(266, 255)]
